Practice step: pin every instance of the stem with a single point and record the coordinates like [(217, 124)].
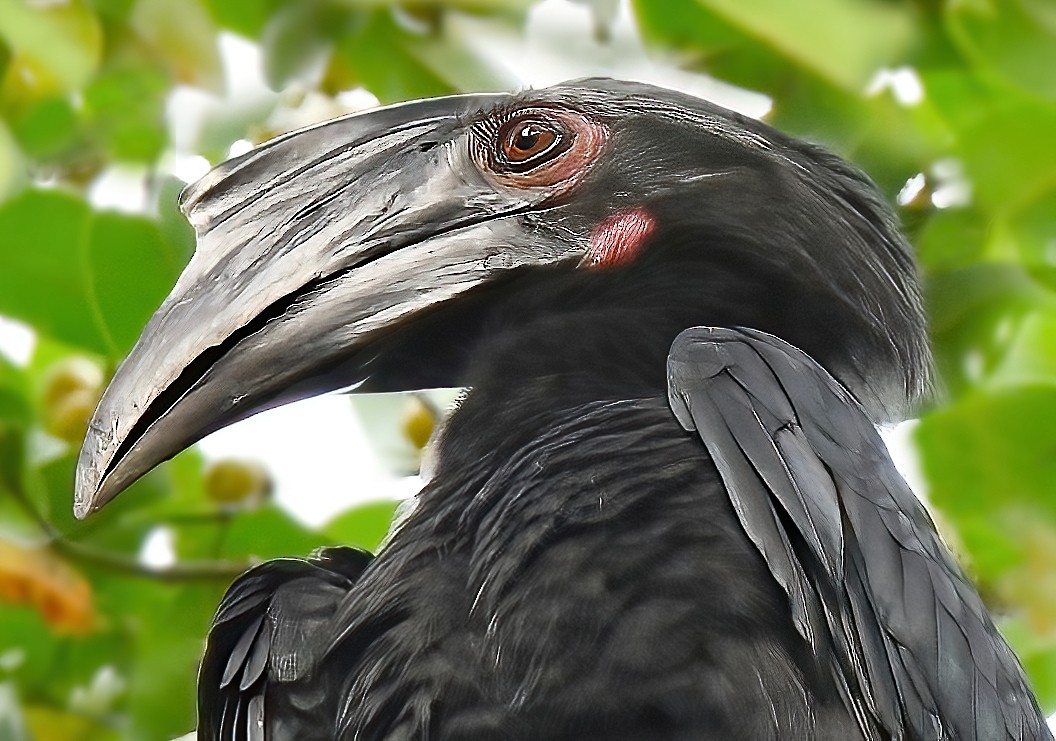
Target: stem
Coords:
[(121, 564), (181, 572)]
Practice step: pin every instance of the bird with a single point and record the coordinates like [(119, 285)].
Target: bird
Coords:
[(662, 509)]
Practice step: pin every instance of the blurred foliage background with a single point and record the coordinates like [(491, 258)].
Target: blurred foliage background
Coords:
[(949, 104)]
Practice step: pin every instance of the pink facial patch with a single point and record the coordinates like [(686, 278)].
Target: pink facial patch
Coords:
[(619, 238)]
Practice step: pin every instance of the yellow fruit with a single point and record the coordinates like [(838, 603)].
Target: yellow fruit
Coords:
[(71, 391), (56, 48), (230, 481), (418, 423), (68, 418), (69, 375)]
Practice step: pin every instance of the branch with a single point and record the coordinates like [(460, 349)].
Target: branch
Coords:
[(180, 572), (122, 564)]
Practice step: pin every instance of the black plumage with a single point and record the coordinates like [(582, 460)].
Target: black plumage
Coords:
[(661, 512)]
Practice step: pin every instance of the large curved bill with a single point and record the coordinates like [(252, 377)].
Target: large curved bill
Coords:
[(308, 248)]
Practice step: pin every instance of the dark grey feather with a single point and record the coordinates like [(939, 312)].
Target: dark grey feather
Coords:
[(266, 613), (914, 634), (237, 658)]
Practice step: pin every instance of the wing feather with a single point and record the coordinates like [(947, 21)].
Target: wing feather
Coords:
[(261, 640), (857, 554), (756, 506)]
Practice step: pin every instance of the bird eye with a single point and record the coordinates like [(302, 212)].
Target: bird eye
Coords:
[(525, 141), (540, 147)]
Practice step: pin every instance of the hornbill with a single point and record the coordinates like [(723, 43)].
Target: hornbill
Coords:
[(661, 512)]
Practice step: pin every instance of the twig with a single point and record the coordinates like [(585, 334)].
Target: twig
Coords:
[(180, 572)]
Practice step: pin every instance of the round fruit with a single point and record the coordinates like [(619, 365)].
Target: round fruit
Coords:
[(72, 388), (230, 481)]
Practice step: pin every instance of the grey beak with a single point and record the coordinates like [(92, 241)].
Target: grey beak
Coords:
[(308, 247)]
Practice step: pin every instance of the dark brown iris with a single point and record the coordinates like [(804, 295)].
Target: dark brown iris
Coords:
[(528, 143)]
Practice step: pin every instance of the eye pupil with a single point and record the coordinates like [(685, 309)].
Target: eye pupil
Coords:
[(528, 138)]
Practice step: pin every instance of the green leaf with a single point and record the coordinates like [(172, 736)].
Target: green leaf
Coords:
[(15, 408), (710, 41), (47, 128), (16, 416), (60, 44), (1002, 154), (115, 10), (960, 97), (32, 648), (364, 526), (843, 41), (163, 627), (12, 164), (461, 68), (1033, 228), (951, 239), (989, 466), (176, 231), (1013, 39), (297, 39), (130, 269), (891, 140), (183, 476), (974, 312), (375, 52), (12, 457), (181, 33), (245, 17), (42, 282), (1037, 652), (90, 280), (125, 110), (1031, 354), (267, 532)]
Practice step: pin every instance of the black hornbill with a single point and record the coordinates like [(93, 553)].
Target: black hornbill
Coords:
[(661, 512)]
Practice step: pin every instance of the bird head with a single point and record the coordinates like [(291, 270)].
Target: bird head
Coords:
[(380, 251)]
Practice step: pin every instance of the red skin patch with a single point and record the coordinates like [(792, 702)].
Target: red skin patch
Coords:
[(618, 239)]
